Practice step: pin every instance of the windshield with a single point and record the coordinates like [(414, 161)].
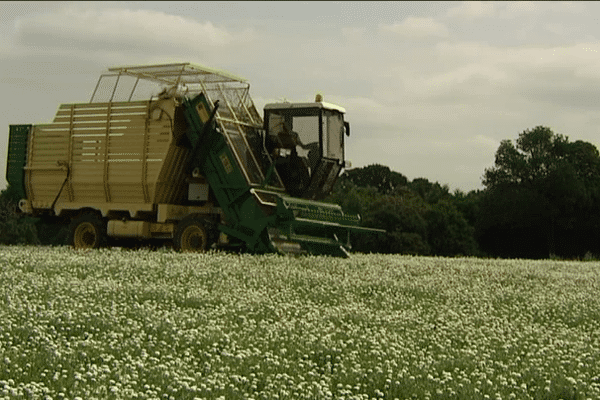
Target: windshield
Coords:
[(299, 133), (301, 129), (307, 144)]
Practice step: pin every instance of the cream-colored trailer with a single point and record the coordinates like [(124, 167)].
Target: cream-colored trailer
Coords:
[(120, 160)]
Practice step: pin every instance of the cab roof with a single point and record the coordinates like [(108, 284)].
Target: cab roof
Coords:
[(320, 104)]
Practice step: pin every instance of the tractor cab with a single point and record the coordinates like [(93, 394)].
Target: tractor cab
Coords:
[(306, 141)]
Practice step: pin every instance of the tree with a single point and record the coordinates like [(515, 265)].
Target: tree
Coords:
[(419, 216), (430, 192), (15, 228), (352, 198), (449, 233), (540, 197), (536, 155), (468, 204), (377, 176), (403, 219)]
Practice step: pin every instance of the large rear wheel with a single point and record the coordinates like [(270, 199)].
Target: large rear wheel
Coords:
[(87, 231)]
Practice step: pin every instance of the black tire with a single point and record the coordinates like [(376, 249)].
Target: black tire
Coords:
[(87, 231), (194, 234)]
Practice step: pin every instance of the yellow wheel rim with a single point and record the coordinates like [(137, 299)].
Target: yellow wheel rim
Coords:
[(193, 238), (85, 236)]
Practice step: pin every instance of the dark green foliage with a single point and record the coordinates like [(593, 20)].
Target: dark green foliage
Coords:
[(15, 228), (449, 232), (542, 198), (506, 226), (403, 219), (353, 199), (10, 194), (430, 192), (420, 217), (52, 231), (376, 176), (468, 204)]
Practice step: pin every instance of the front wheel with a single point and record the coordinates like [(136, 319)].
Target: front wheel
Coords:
[(88, 231), (193, 235)]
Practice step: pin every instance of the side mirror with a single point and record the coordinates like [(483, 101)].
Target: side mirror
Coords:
[(347, 126)]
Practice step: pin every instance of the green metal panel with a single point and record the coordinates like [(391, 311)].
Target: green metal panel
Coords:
[(245, 219), (17, 157)]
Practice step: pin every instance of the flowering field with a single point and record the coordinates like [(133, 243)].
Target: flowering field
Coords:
[(124, 324)]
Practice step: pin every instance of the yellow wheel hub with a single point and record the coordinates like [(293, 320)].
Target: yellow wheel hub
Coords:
[(85, 236), (193, 238)]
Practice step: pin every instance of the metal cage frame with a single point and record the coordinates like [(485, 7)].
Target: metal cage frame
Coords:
[(236, 117)]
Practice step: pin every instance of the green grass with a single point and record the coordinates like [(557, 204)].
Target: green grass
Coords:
[(116, 324)]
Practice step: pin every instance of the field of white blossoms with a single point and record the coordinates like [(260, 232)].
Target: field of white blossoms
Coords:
[(125, 324)]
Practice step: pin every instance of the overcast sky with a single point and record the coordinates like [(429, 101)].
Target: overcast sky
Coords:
[(430, 88)]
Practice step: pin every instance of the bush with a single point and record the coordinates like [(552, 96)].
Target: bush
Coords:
[(15, 228)]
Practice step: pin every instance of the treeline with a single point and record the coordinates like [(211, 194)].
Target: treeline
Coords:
[(420, 217), (540, 199)]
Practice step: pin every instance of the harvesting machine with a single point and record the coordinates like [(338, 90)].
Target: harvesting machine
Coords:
[(179, 152)]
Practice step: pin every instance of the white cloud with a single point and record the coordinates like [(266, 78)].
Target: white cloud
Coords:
[(485, 142), (514, 9), (417, 27), (557, 28), (575, 7), (118, 30), (353, 34), (477, 76), (370, 111), (472, 9), (499, 62)]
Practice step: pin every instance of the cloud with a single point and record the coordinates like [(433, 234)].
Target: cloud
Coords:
[(118, 30), (575, 7), (370, 112), (417, 28), (557, 28), (486, 142), (472, 9), (562, 71), (513, 9), (471, 79), (353, 34)]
